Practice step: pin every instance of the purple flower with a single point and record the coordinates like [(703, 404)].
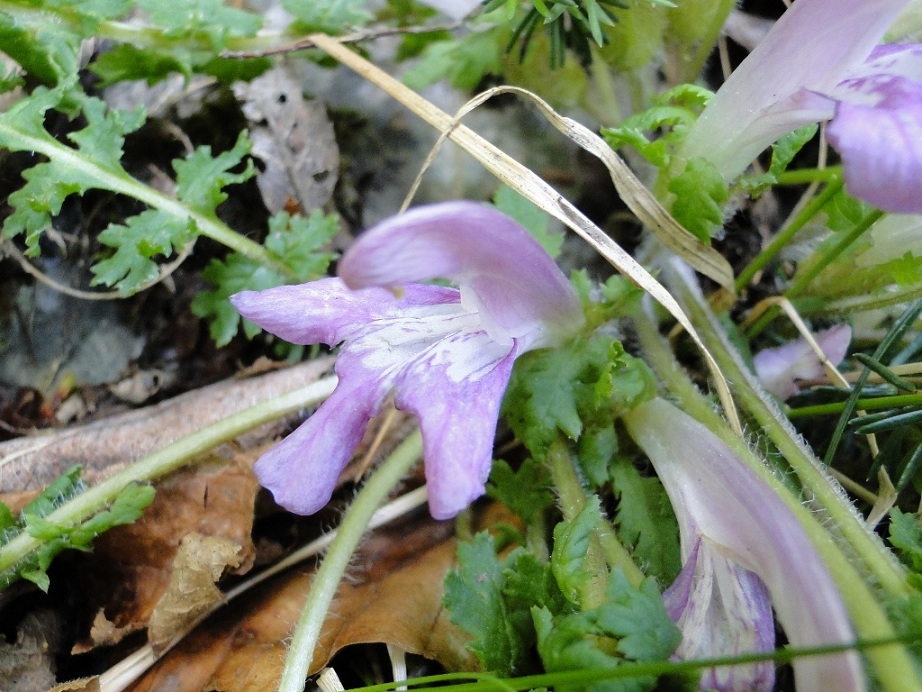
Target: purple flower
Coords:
[(738, 541), (446, 354), (779, 368), (822, 61)]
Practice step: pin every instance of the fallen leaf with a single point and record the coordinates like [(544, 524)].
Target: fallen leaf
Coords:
[(199, 563), (393, 596), (131, 566), (293, 137)]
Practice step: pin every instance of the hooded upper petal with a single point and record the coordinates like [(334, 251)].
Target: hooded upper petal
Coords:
[(813, 46), (503, 273), (716, 494)]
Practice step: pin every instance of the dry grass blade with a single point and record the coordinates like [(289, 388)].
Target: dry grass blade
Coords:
[(533, 188)]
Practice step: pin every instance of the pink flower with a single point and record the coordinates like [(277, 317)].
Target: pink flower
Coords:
[(822, 61), (780, 368), (445, 353), (741, 546)]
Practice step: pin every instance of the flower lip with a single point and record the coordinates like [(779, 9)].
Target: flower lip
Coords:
[(503, 273)]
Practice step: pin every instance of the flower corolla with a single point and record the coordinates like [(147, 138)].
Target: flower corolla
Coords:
[(741, 545), (821, 61), (780, 368), (445, 353)]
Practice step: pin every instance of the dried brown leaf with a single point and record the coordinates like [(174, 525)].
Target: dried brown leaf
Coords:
[(394, 596), (131, 565), (199, 563), (293, 137)]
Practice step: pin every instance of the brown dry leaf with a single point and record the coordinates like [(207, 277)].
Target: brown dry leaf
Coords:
[(293, 137), (199, 563), (394, 597), (110, 444), (131, 565)]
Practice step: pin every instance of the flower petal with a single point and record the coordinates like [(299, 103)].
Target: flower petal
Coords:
[(301, 471), (813, 46), (503, 272), (881, 145), (742, 518), (779, 368), (722, 609), (327, 312), (455, 389)]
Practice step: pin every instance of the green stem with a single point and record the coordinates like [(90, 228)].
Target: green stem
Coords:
[(784, 236), (803, 279), (329, 574), (892, 664), (873, 404), (805, 176), (122, 183), (167, 460), (707, 41), (817, 483), (573, 497)]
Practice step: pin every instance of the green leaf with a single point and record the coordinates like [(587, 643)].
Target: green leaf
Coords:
[(571, 543), (7, 520), (563, 645), (786, 148), (330, 16), (700, 193), (906, 537), (532, 219), (126, 61), (47, 50), (296, 240), (473, 596), (646, 521), (527, 492), (201, 177), (56, 493), (137, 242), (210, 20), (529, 583), (571, 389), (637, 617), (464, 61)]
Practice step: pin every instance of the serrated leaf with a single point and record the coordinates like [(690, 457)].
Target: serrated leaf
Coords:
[(529, 583), (46, 50), (564, 389), (60, 489), (527, 492), (571, 543), (201, 177), (906, 537), (141, 238), (786, 148), (532, 219), (473, 596), (700, 193), (563, 645), (7, 520), (296, 240), (637, 617), (646, 521)]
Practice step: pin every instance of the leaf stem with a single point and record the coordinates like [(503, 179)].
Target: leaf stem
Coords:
[(573, 497), (168, 459), (122, 183), (331, 570)]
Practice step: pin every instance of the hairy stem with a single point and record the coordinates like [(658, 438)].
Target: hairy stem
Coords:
[(331, 570)]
